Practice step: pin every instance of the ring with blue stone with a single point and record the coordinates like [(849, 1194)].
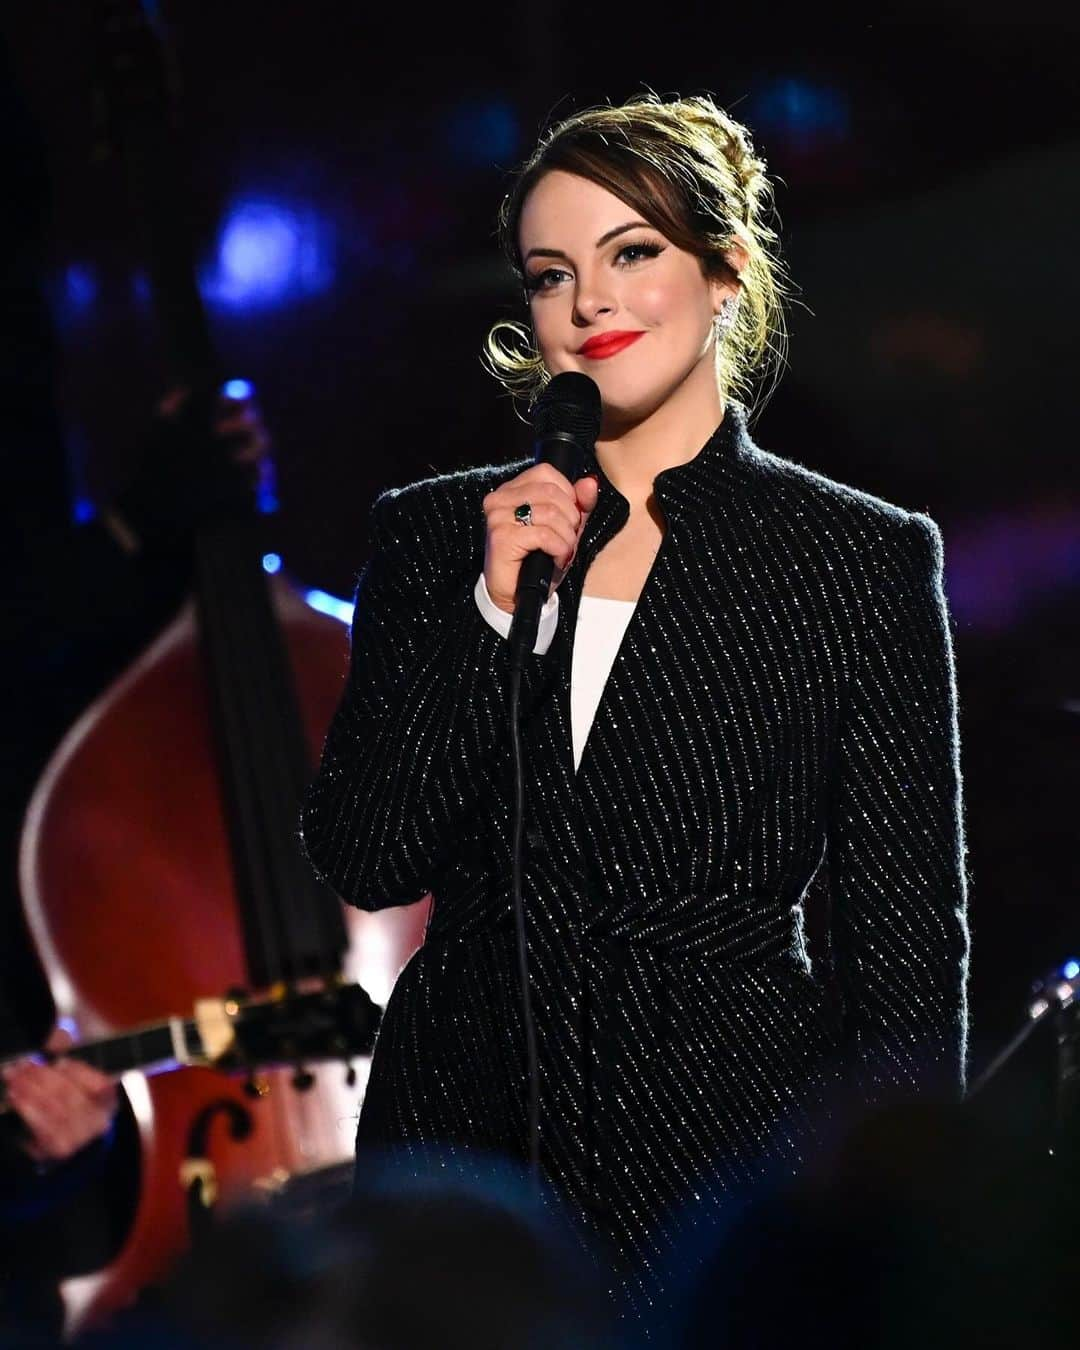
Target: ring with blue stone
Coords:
[(523, 514)]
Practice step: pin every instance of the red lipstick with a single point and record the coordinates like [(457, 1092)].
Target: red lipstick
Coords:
[(608, 344)]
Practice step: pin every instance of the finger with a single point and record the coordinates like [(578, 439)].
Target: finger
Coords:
[(543, 473), (546, 511), (95, 1087), (587, 492), (12, 1069), (41, 1143), (59, 1115), (22, 1069), (45, 1084), (54, 1141), (60, 1039), (13, 1074), (539, 490), (558, 542), (512, 535), (236, 425), (84, 1076), (43, 1115)]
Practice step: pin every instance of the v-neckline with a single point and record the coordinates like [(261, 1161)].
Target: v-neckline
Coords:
[(634, 618), (699, 486)]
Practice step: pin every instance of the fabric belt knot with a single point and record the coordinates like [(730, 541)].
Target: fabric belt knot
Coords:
[(630, 980), (631, 973)]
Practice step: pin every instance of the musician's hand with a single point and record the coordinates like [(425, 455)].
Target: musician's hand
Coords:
[(201, 461), (238, 425), (64, 1105), (560, 512)]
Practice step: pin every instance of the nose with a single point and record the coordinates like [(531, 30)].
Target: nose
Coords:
[(592, 301)]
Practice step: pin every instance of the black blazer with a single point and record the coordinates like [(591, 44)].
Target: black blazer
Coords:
[(784, 692)]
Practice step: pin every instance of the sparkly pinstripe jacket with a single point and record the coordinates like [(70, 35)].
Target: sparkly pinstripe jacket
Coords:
[(783, 697)]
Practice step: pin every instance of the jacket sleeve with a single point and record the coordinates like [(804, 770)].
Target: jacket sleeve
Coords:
[(421, 729), (896, 836), (501, 621)]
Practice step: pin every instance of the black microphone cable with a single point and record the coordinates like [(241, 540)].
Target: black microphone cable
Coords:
[(566, 423)]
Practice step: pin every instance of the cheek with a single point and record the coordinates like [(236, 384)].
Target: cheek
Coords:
[(672, 302), (546, 329)]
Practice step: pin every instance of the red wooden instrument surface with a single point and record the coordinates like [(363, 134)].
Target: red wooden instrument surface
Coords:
[(159, 862), (128, 886)]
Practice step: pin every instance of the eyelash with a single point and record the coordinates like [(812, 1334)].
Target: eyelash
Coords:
[(534, 284)]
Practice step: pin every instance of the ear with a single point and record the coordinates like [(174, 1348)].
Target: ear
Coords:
[(736, 258), (726, 285)]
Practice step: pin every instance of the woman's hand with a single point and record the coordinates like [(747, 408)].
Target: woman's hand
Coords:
[(560, 512), (64, 1105)]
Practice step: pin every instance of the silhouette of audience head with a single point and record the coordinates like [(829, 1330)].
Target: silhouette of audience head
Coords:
[(410, 1262), (930, 1227)]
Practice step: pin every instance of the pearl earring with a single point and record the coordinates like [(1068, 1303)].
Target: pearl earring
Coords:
[(726, 317)]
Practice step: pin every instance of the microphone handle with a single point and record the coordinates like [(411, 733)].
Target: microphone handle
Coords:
[(564, 453)]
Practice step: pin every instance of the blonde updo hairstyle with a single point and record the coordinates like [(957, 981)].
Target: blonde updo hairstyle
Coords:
[(690, 170)]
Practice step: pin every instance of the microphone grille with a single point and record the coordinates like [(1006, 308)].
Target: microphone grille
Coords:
[(570, 405)]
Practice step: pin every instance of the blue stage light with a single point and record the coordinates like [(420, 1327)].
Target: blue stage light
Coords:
[(80, 288), (269, 253), (1071, 969), (483, 133), (330, 604), (271, 562), (83, 510), (238, 389), (800, 111)]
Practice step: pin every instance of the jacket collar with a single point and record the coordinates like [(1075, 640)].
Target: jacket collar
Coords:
[(698, 487)]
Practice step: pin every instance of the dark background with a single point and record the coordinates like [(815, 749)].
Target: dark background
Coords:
[(344, 165)]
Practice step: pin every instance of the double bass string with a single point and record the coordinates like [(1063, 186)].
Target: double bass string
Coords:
[(270, 760), (309, 911), (246, 828)]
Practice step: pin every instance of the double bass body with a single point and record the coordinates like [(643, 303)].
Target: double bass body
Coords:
[(130, 886)]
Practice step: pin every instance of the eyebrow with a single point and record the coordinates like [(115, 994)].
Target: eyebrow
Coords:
[(604, 239)]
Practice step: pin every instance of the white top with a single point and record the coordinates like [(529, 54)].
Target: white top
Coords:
[(601, 624), (600, 629)]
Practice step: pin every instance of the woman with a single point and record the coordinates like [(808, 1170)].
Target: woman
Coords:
[(782, 692)]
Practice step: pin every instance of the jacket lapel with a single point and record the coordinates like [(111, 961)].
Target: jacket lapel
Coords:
[(701, 505)]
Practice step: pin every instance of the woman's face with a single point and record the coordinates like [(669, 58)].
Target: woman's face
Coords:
[(597, 273)]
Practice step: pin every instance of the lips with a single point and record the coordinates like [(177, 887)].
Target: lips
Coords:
[(608, 344)]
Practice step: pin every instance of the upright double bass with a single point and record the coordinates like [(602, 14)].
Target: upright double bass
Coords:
[(159, 862)]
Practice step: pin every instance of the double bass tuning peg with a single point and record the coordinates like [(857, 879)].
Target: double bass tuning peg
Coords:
[(256, 1086), (303, 1079)]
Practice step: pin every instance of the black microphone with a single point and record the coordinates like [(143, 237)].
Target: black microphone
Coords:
[(566, 423)]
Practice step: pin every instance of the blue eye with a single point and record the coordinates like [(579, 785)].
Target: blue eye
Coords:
[(537, 282), (641, 252), (627, 256)]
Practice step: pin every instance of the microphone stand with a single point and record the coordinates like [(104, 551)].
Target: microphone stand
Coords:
[(534, 584), (517, 890), (1056, 996)]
